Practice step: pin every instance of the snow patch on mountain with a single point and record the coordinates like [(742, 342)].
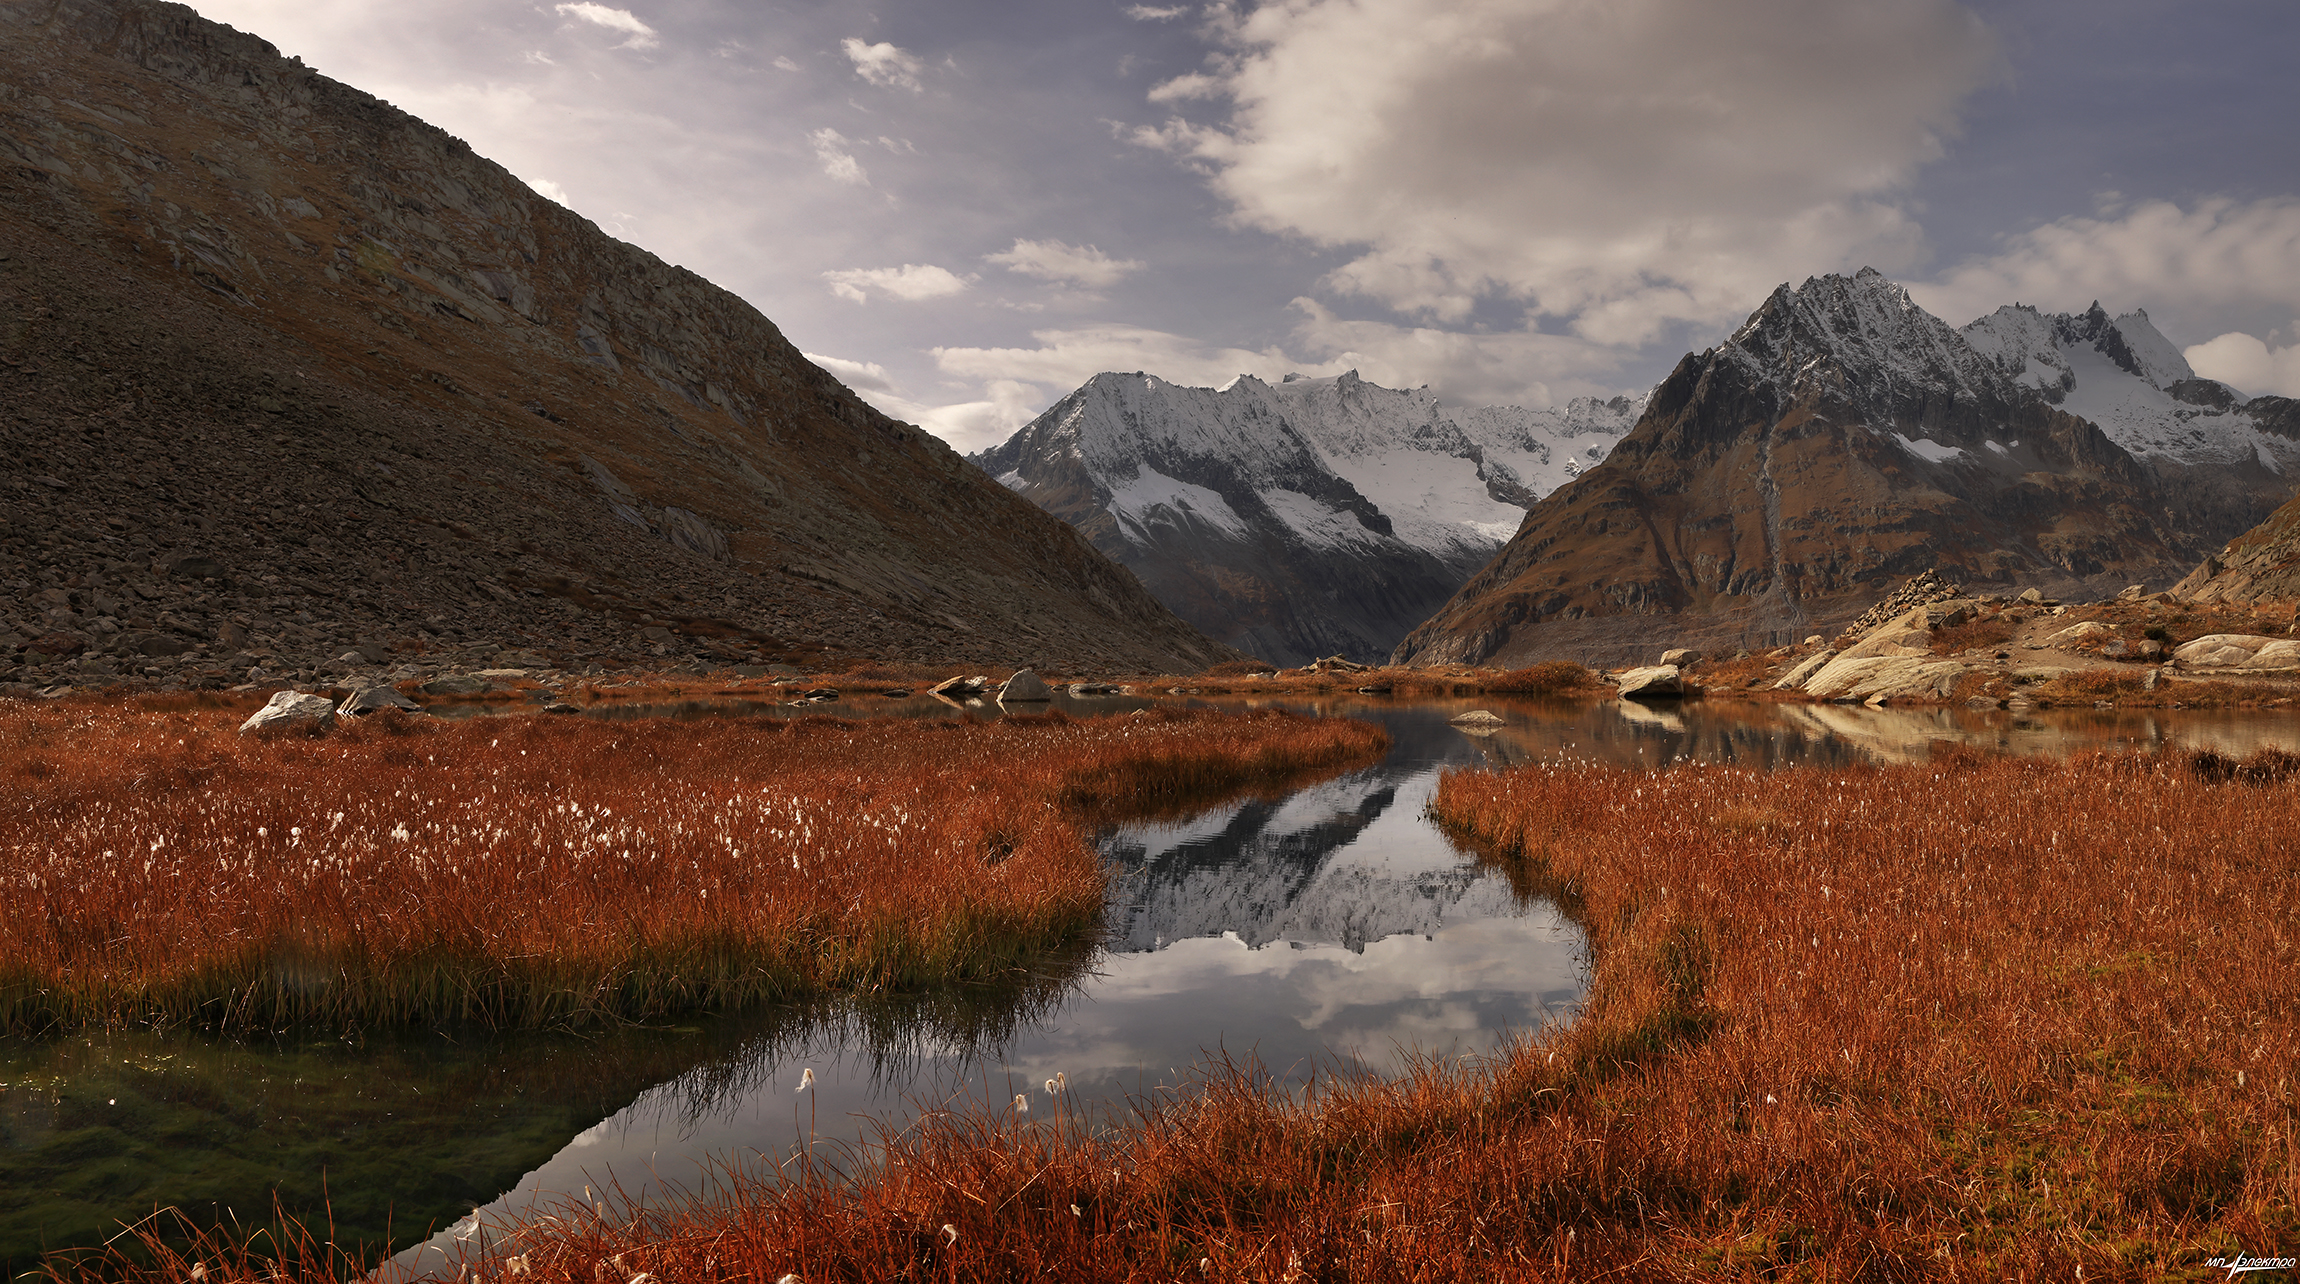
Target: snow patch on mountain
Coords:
[(1151, 498), (2124, 376)]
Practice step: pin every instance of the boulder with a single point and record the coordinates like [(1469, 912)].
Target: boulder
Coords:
[(2030, 597), (2076, 633), (1024, 688), (292, 710), (1477, 718), (2132, 593), (362, 703), (1659, 682), (454, 684), (1796, 678), (1681, 657), (960, 688), (2239, 651), (1879, 678)]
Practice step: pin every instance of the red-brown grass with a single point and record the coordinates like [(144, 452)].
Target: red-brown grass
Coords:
[(1985, 632), (544, 870), (1550, 677), (2126, 688), (1982, 1019)]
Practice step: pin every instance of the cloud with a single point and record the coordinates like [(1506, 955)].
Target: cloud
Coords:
[(1003, 406), (862, 376), (1081, 265), (550, 191), (1514, 367), (1196, 84), (831, 149), (2190, 267), (1155, 13), (783, 61), (883, 64), (2244, 362), (1067, 358), (1623, 165), (642, 35), (911, 282)]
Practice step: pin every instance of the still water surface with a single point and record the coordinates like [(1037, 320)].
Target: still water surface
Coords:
[(1331, 930)]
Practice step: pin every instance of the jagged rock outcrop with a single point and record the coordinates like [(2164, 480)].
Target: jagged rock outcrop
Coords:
[(286, 368), (2261, 565), (1842, 438), (1303, 518)]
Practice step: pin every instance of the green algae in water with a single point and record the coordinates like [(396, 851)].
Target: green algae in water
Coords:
[(392, 1138), (395, 1136)]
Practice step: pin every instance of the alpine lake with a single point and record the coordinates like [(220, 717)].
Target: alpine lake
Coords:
[(1335, 931)]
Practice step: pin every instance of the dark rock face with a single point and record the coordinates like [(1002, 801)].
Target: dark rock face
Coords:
[(2261, 565), (1840, 440), (286, 369)]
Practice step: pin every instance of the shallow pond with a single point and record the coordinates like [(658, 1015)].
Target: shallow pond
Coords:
[(1331, 929)]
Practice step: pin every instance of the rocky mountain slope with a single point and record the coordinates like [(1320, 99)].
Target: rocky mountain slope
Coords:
[(2261, 565), (1844, 438), (289, 372), (1306, 518)]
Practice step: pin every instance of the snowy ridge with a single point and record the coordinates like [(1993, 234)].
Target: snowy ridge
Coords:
[(1452, 483), (1305, 518), (2131, 382)]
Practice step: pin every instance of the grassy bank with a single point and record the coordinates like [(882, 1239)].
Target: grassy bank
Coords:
[(158, 868), (1984, 1019), (1981, 1019)]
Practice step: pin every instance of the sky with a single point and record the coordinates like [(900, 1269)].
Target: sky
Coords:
[(967, 208)]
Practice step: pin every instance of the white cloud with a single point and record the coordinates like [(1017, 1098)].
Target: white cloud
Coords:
[(838, 162), (783, 61), (1196, 84), (2243, 362), (1002, 406), (883, 64), (1155, 13), (1067, 358), (537, 58), (1624, 164), (862, 376), (1082, 265), (551, 191), (911, 282), (623, 20), (2191, 268)]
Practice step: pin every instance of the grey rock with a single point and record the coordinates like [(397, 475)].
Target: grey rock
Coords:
[(290, 710), (2239, 651), (1681, 657), (1796, 678), (454, 684), (1658, 682), (1024, 688), (1477, 718), (960, 688), (2132, 593), (362, 703)]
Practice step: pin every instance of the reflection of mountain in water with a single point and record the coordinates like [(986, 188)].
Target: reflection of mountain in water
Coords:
[(1345, 862)]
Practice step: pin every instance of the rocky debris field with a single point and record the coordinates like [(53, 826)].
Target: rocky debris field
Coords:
[(1931, 642)]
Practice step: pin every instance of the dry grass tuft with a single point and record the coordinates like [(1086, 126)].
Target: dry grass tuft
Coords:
[(529, 871)]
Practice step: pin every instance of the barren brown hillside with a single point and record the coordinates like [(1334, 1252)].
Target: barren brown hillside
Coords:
[(286, 370)]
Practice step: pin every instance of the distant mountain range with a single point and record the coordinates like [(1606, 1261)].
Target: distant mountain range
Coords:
[(1306, 518), (1844, 438)]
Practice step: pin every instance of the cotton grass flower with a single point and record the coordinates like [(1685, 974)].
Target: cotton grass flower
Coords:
[(806, 1079), (1022, 1103)]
